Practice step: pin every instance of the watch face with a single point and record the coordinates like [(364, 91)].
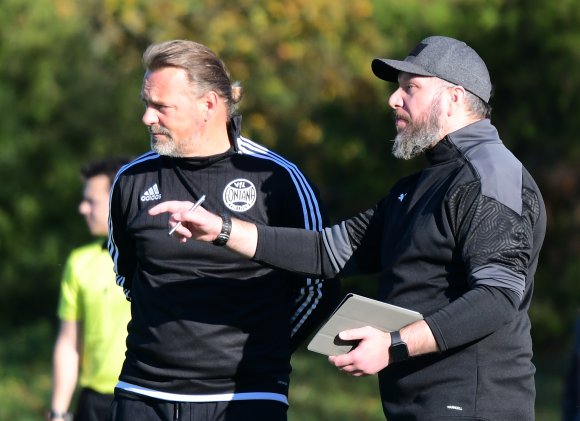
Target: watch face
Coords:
[(399, 352)]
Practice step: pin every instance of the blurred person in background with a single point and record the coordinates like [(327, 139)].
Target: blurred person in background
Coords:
[(211, 333), (458, 241), (93, 316)]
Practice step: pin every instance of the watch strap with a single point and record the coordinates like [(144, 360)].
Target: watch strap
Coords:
[(59, 415), (398, 351), (224, 235), (396, 337)]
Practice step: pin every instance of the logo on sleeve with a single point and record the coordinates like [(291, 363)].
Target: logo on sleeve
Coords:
[(152, 193), (239, 195)]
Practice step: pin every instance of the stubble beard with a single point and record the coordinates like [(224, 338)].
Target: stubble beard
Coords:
[(166, 147), (418, 136)]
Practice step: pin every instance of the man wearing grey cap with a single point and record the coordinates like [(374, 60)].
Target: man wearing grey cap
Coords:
[(458, 242)]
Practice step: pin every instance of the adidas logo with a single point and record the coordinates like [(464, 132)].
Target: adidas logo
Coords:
[(152, 193)]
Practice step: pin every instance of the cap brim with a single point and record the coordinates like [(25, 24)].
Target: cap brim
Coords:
[(388, 70)]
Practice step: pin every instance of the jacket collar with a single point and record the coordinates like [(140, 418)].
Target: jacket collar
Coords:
[(462, 141), (234, 130)]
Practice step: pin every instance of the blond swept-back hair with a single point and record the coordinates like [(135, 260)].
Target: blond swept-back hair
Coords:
[(205, 71)]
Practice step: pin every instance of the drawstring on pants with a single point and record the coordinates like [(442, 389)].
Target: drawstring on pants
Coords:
[(176, 408)]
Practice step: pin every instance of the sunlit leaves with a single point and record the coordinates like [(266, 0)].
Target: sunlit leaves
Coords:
[(71, 74)]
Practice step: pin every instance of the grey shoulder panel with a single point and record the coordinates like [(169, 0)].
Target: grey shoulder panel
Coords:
[(500, 173)]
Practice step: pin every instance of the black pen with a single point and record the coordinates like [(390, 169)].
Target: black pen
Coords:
[(194, 207)]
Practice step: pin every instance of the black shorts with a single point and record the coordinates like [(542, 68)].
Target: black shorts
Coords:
[(126, 408), (93, 406)]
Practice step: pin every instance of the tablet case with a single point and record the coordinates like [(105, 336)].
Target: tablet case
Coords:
[(357, 311)]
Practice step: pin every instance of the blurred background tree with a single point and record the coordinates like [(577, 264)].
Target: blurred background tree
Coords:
[(70, 77)]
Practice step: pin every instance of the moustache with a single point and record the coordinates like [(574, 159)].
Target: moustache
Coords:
[(158, 130), (398, 115)]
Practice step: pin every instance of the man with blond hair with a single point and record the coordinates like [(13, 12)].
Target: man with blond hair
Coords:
[(211, 333)]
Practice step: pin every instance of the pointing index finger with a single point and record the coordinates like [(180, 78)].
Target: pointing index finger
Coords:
[(171, 206)]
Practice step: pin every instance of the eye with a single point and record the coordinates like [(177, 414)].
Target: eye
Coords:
[(158, 107), (154, 105)]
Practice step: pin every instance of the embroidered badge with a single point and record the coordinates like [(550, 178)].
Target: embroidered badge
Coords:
[(239, 195)]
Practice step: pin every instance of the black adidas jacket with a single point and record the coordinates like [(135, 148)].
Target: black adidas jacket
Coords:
[(458, 242), (205, 321)]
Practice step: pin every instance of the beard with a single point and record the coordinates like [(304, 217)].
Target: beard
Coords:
[(167, 147), (418, 136)]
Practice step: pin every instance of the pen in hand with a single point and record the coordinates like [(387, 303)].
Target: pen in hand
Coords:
[(194, 207)]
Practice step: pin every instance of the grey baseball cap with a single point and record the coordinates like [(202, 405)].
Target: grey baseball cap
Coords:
[(442, 57)]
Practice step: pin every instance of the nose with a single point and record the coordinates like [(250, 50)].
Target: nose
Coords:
[(395, 100), (149, 117)]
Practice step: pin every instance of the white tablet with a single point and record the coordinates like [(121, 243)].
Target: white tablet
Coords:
[(357, 311)]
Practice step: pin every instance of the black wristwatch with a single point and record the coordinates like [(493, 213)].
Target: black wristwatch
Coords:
[(224, 235), (398, 351)]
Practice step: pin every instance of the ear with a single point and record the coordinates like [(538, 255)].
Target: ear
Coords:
[(456, 99), (209, 103)]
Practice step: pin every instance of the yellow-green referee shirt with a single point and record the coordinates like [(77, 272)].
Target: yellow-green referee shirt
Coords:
[(89, 295)]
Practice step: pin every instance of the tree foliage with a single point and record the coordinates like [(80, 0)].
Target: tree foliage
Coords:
[(69, 90)]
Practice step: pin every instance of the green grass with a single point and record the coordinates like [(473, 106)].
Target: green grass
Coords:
[(318, 391), (25, 372)]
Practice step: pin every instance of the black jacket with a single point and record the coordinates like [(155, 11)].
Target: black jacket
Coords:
[(459, 242), (205, 321)]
